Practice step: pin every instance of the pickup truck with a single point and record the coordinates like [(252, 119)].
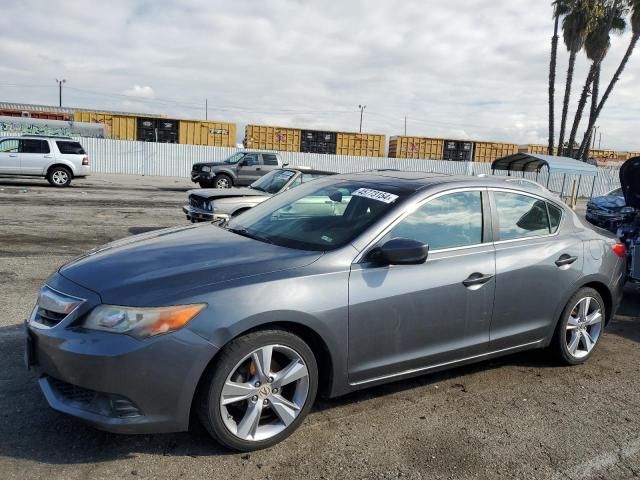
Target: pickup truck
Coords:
[(240, 169)]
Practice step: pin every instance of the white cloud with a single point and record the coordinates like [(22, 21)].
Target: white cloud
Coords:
[(472, 68), (140, 92)]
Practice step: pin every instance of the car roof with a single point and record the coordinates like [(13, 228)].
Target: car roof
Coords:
[(416, 181)]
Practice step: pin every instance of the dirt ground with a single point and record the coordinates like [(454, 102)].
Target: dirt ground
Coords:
[(516, 417)]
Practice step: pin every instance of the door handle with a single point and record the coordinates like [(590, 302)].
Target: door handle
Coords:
[(13, 155), (476, 280), (48, 156), (565, 260)]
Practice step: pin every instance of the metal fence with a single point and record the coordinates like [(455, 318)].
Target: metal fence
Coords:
[(174, 160)]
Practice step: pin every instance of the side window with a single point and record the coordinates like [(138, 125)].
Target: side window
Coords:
[(452, 220), (9, 146), (34, 146), (269, 159), (520, 216), (250, 160), (555, 217)]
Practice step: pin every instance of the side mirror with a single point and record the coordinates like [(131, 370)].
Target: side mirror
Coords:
[(403, 251)]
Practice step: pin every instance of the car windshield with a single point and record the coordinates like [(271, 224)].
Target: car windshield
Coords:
[(273, 181), (321, 215), (235, 158)]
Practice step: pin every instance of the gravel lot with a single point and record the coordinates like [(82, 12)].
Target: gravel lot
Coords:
[(517, 417)]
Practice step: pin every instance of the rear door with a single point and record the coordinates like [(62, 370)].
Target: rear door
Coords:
[(35, 156), (536, 264), (407, 318), (249, 169), (269, 162), (9, 156)]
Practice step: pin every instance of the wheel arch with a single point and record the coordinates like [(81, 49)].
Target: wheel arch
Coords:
[(606, 295), (226, 171), (59, 163)]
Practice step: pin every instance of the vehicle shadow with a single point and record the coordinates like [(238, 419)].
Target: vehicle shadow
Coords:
[(627, 321)]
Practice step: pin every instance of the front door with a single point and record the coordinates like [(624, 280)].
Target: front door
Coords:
[(249, 169), (536, 265), (35, 156), (9, 156), (408, 318)]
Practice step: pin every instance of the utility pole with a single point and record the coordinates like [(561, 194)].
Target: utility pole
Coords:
[(361, 107), (60, 82), (593, 134), (405, 125), (206, 108), (600, 141)]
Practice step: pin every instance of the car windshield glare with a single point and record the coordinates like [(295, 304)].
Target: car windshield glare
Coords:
[(273, 181), (322, 215), (235, 158)]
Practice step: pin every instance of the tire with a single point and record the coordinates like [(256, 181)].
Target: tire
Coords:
[(231, 424), (580, 328), (222, 180), (59, 176)]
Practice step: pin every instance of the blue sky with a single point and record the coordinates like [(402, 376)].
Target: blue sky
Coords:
[(462, 68)]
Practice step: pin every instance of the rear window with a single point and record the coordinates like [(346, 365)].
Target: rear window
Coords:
[(34, 146), (70, 148)]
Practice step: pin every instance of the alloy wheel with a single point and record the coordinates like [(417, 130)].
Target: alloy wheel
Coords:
[(60, 177), (222, 183), (584, 327), (264, 393)]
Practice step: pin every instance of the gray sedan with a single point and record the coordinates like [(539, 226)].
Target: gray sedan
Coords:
[(336, 285)]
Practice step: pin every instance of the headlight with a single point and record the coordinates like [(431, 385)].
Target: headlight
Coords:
[(141, 322)]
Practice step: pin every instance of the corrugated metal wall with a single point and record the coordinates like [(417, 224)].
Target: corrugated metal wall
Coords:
[(174, 160)]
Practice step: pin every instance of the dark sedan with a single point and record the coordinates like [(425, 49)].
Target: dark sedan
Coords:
[(339, 284), (209, 204)]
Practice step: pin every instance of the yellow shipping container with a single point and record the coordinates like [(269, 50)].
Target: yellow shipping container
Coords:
[(272, 138), (487, 152), (214, 134), (631, 155), (360, 144), (120, 127), (606, 155), (536, 149), (416, 147)]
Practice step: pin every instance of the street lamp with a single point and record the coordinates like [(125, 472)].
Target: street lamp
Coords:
[(60, 82), (361, 107)]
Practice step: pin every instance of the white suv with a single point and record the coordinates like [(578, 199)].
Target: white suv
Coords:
[(58, 159)]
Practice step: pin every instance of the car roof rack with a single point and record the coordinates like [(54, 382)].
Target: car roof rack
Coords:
[(46, 136)]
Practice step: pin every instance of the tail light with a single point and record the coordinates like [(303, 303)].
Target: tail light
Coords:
[(85, 161), (620, 249)]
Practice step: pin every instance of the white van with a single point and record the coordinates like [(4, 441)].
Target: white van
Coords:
[(58, 159)]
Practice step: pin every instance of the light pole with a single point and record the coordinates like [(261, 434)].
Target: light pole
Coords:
[(361, 107), (60, 82), (593, 134)]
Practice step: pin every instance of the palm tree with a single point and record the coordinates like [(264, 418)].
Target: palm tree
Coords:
[(560, 8), (596, 47), (575, 28), (635, 26)]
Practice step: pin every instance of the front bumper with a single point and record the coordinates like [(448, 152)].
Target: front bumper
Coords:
[(205, 177), (117, 383), (199, 215)]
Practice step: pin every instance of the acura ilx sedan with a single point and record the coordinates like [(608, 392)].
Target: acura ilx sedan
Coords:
[(339, 284)]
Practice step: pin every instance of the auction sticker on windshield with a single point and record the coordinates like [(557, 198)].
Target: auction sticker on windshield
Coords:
[(381, 196)]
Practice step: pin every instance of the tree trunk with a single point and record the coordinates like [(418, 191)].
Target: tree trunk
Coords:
[(607, 93), (584, 155), (552, 83), (581, 104), (565, 105)]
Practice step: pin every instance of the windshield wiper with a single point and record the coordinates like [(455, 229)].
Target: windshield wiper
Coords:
[(245, 233)]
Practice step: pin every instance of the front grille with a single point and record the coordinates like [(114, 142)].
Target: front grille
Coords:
[(47, 317), (106, 404), (199, 202)]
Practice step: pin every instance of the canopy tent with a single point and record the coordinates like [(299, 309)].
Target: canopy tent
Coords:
[(529, 162)]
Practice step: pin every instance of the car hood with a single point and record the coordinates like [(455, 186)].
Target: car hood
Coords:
[(630, 181), (162, 266), (608, 202), (218, 193), (210, 164)]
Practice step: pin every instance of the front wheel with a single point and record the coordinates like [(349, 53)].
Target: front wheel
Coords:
[(259, 390), (580, 327), (223, 181)]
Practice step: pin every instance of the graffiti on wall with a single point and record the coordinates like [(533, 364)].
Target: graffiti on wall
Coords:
[(50, 127)]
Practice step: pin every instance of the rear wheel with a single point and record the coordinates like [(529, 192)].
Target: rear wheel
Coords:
[(223, 181), (580, 327), (259, 390), (59, 176)]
